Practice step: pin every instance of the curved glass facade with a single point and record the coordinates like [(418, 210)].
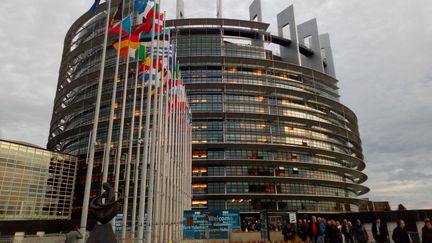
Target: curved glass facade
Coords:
[(267, 134), (73, 112)]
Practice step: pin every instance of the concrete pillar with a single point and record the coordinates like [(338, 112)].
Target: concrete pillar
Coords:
[(309, 29), (327, 55), (289, 53)]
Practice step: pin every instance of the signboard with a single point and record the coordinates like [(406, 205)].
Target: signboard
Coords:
[(209, 224), (118, 223), (292, 218)]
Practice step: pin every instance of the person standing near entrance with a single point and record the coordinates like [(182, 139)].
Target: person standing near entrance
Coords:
[(380, 231)]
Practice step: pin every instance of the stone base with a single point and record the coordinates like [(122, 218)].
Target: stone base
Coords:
[(102, 233)]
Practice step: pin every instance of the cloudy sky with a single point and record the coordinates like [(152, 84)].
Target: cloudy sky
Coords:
[(382, 56)]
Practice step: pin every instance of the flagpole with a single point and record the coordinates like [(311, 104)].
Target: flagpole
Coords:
[(106, 159), (171, 148), (177, 161), (137, 160), (86, 199), (164, 151), (142, 205), (153, 168), (118, 149), (159, 207)]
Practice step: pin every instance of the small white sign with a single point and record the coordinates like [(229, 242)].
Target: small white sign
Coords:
[(292, 218)]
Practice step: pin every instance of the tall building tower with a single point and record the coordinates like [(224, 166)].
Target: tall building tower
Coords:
[(269, 131)]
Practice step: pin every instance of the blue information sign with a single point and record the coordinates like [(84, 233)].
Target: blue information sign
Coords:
[(210, 224)]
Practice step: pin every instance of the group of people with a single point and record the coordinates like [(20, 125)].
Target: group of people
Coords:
[(318, 230), (250, 225)]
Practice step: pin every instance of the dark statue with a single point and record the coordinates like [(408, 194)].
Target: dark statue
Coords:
[(103, 212)]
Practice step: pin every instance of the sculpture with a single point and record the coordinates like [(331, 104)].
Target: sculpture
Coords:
[(104, 208)]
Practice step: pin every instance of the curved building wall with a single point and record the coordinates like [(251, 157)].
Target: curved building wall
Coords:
[(267, 134), (73, 112)]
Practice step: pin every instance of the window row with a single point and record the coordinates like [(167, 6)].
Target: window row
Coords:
[(270, 188), (245, 204), (281, 171), (246, 154)]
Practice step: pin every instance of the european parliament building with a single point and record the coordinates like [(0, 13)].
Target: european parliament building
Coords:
[(269, 131)]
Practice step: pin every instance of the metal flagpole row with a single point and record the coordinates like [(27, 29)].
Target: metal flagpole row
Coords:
[(173, 138), (159, 155), (145, 160), (153, 163), (126, 177), (138, 152), (106, 159), (177, 162), (170, 152), (165, 147), (86, 199), (166, 161), (121, 130)]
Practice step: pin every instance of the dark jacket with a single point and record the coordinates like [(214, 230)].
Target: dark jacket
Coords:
[(359, 233), (288, 232), (347, 231), (426, 235), (302, 231), (383, 232), (400, 236), (333, 235)]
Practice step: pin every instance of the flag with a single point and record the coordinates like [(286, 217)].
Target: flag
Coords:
[(140, 52), (141, 5), (127, 41), (146, 64), (147, 37), (124, 25), (189, 116), (118, 14), (127, 46), (127, 52), (93, 8), (146, 27), (141, 17)]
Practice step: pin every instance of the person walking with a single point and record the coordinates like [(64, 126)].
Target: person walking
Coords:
[(380, 231), (359, 232), (333, 235), (322, 226), (427, 231), (288, 232), (400, 235), (313, 230), (302, 230), (347, 231)]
